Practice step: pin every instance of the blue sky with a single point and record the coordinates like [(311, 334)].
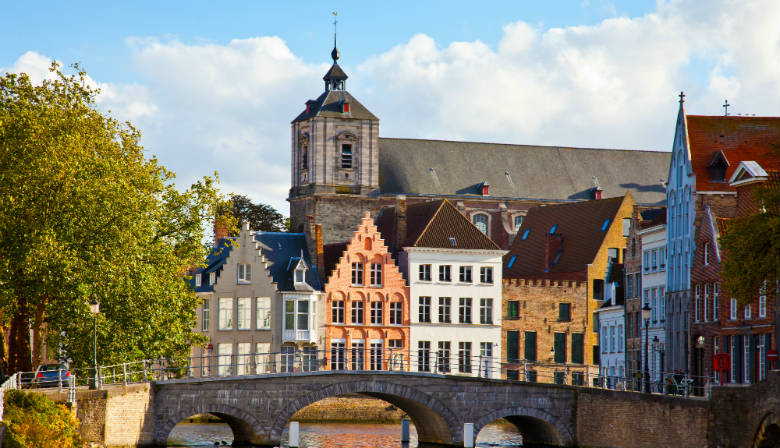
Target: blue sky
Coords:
[(214, 85)]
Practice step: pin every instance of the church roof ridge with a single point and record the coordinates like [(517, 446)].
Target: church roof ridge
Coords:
[(524, 145)]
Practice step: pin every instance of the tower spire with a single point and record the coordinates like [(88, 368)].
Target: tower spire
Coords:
[(335, 53)]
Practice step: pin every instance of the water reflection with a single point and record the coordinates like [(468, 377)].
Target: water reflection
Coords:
[(356, 435)]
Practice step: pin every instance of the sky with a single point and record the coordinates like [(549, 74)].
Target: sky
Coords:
[(213, 86)]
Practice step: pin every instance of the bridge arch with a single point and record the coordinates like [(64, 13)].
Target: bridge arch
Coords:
[(536, 425), (246, 429), (768, 433), (434, 421)]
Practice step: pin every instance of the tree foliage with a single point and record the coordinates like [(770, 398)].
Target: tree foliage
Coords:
[(259, 216), (752, 247), (84, 214), (34, 421)]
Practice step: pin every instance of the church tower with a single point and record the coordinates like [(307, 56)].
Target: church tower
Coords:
[(335, 144)]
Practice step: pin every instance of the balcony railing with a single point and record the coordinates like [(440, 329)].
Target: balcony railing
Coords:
[(297, 335)]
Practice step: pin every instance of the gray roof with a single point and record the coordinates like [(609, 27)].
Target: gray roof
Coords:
[(282, 251), (413, 166), (214, 262), (329, 105)]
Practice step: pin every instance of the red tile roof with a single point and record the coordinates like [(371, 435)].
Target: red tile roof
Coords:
[(739, 138)]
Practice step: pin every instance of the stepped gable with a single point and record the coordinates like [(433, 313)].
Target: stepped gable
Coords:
[(413, 166), (578, 227), (733, 139), (282, 252)]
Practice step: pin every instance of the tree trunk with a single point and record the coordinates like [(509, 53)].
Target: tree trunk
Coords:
[(37, 333), (19, 344)]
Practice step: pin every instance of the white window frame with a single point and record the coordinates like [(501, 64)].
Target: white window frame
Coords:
[(244, 273), (747, 311), (338, 307), (263, 310), (424, 309), (465, 274), (357, 274), (205, 315), (733, 309), (396, 313), (762, 300), (198, 278), (212, 278), (225, 313), (715, 297), (477, 225), (244, 313), (424, 271), (377, 313), (486, 275), (225, 359), (696, 304), (706, 302), (486, 311), (376, 274), (354, 312), (445, 273)]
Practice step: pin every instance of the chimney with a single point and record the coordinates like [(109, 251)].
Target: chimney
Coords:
[(319, 252), (552, 246), (400, 222), (220, 230), (596, 188), (485, 188)]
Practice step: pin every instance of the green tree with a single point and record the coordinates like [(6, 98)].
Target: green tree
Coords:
[(34, 421), (83, 215), (259, 216)]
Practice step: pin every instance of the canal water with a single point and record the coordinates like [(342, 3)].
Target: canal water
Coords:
[(499, 434)]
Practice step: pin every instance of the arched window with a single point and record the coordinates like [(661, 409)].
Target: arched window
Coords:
[(305, 157), (518, 222), (481, 221), (368, 244)]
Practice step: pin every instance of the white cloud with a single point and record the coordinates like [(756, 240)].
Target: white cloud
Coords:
[(205, 106)]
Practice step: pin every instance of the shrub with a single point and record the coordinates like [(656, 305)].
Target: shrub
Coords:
[(34, 421)]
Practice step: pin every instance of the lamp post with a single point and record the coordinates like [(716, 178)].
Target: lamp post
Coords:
[(656, 345), (646, 317), (94, 308)]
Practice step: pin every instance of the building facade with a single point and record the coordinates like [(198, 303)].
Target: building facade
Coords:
[(653, 289), (367, 303), (611, 316)]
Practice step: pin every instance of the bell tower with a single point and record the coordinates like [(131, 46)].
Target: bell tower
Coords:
[(335, 144)]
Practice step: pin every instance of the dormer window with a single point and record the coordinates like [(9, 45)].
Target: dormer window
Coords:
[(198, 278), (717, 167), (300, 274), (212, 278)]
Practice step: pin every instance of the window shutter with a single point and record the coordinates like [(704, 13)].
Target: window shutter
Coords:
[(530, 345), (577, 347), (512, 345), (560, 347)]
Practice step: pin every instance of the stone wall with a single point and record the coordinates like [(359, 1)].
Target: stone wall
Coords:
[(350, 409), (739, 414)]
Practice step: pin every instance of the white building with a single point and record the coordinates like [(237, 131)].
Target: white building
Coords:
[(454, 275), (611, 318), (653, 290)]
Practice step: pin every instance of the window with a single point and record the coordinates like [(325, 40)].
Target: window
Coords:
[(358, 354), (653, 305), (376, 313), (205, 315), (485, 358), (424, 309), (376, 273), (357, 312), (629, 286), (302, 313), (654, 260), (337, 312), (244, 273), (225, 313), (243, 359), (747, 311), (481, 222), (338, 356), (425, 272), (512, 309), (443, 357), (357, 274), (346, 155), (486, 311), (395, 344), (733, 309), (212, 278), (299, 275), (762, 300), (464, 357), (464, 310), (696, 304), (262, 358), (444, 309), (375, 356), (396, 313), (559, 347), (445, 273), (305, 157), (706, 253), (486, 275), (512, 345), (423, 356), (715, 311), (530, 346), (244, 313), (747, 356), (706, 313), (612, 347), (198, 278), (626, 226), (289, 315), (620, 335), (646, 260), (662, 301), (577, 348), (518, 222), (225, 366), (564, 312), (263, 315), (465, 274)]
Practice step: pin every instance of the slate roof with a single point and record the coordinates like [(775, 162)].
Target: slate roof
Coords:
[(214, 262), (433, 224), (413, 166), (329, 105), (579, 225), (738, 138), (282, 251), (652, 217), (332, 255), (335, 73)]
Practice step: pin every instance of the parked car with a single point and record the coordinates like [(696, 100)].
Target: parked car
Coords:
[(50, 375)]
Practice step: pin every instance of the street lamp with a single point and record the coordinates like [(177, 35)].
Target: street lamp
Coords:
[(94, 308), (656, 346), (646, 317)]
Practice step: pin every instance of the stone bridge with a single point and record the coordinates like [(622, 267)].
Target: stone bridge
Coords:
[(258, 408)]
